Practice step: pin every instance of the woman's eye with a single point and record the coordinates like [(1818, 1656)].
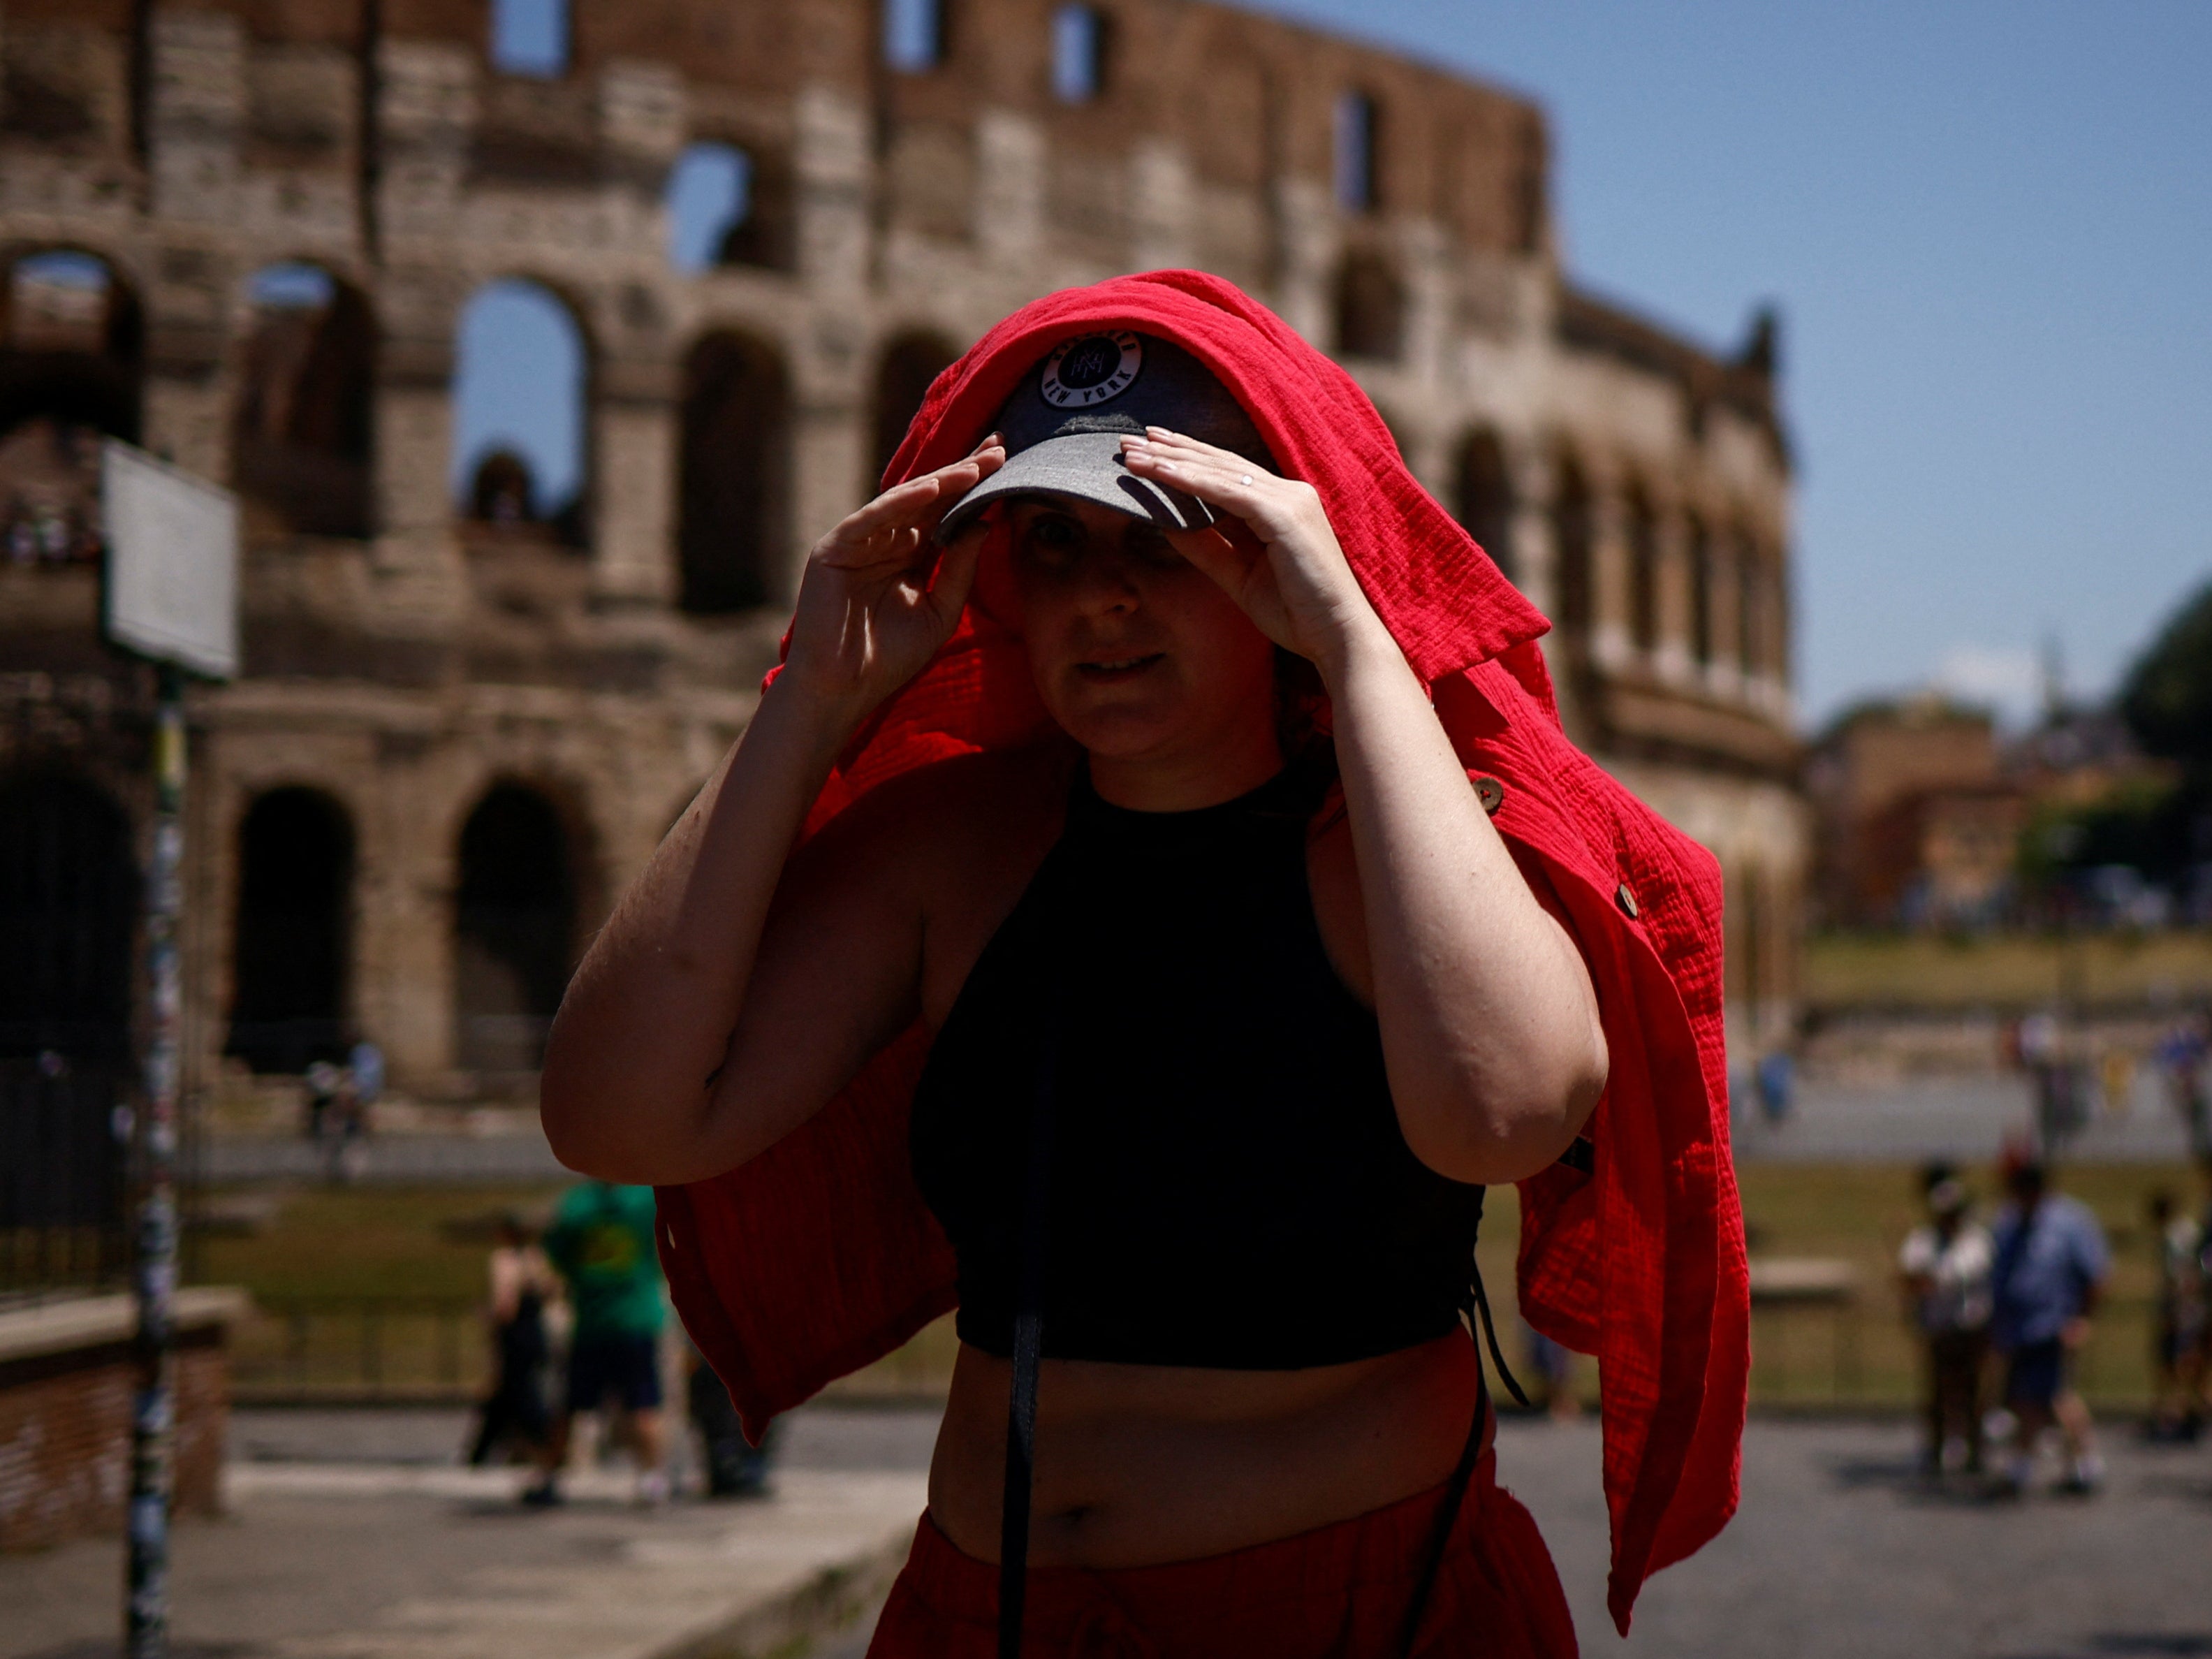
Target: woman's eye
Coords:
[(1053, 541), (1151, 548)]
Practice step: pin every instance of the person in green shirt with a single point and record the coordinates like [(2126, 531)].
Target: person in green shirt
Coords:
[(602, 1244)]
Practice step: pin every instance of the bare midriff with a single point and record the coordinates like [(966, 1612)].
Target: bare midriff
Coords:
[(1138, 1465)]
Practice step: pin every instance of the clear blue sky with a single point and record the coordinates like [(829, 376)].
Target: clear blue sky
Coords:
[(1989, 227)]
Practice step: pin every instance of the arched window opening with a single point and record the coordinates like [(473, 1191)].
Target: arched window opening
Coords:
[(1750, 612), (914, 35), (69, 901), (1572, 536), (71, 364), (514, 929), (68, 907), (709, 202), (903, 376), (1371, 308), (731, 491), (1357, 181), (304, 415), (293, 941), (530, 36), (1643, 573), (1078, 53), (1701, 594), (1485, 490), (519, 388)]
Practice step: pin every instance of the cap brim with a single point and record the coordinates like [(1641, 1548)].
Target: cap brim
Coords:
[(1088, 466)]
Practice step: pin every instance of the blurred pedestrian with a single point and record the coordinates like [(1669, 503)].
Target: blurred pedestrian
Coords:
[(366, 1061), (2182, 1055), (322, 1080), (1776, 1084), (734, 1468), (1554, 1363), (346, 1124), (1945, 1266), (2050, 1265), (522, 1290), (2178, 1340), (602, 1243)]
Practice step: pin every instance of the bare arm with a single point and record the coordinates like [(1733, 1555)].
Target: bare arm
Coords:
[(1490, 1025), (643, 1067)]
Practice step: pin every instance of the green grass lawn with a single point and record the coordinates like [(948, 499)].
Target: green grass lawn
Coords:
[(418, 1254), (1844, 971)]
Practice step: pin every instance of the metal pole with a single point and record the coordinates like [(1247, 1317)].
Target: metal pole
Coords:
[(153, 1418)]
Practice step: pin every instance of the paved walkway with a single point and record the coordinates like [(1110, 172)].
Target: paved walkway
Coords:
[(1838, 1553), (354, 1538), (1968, 1118), (379, 1548)]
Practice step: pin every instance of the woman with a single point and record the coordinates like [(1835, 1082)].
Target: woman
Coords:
[(1201, 988)]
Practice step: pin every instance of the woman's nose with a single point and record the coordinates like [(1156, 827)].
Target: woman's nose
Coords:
[(1104, 584)]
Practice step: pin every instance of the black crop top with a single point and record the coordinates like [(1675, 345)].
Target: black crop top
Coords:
[(1231, 1188)]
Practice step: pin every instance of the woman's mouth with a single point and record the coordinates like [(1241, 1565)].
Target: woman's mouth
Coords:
[(1112, 671)]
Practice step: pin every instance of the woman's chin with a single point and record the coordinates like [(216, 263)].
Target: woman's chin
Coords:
[(1118, 733)]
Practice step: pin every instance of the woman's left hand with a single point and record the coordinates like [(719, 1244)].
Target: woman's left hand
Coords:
[(1289, 575)]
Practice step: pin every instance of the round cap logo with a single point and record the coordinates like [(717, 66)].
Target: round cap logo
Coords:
[(1091, 368)]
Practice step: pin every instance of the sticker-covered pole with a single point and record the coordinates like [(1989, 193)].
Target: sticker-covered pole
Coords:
[(153, 1417)]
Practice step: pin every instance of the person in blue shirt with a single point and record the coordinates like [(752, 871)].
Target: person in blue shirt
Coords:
[(2050, 1265)]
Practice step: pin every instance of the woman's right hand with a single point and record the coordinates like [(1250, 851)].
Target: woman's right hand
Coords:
[(871, 612)]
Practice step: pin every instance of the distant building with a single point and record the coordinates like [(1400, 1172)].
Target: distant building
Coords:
[(244, 234), (1916, 822), (1921, 807)]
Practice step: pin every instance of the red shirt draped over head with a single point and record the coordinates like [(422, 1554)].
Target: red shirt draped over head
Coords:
[(819, 1256)]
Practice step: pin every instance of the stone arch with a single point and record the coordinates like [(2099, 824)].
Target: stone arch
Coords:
[(1698, 542), (522, 378), (1574, 537), (731, 204), (910, 361), (1356, 160), (530, 36), (72, 366), (301, 427), (917, 34), (1752, 618), (1483, 487), (68, 907), (1371, 308), (291, 947), (68, 913), (517, 900), (1641, 523), (733, 485), (1082, 48)]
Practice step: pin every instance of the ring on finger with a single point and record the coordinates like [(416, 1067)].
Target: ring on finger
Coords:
[(1246, 479)]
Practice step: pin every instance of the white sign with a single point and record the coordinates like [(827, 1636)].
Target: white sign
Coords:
[(171, 562)]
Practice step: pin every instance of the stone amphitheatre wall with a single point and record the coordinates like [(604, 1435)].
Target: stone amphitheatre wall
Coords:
[(464, 724)]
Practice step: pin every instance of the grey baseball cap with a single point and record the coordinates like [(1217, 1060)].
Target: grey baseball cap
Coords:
[(1065, 424)]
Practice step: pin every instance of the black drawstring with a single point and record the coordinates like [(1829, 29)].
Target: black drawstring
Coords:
[(1477, 1301), (1029, 1349)]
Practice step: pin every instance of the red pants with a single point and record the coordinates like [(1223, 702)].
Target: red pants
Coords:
[(1338, 1592)]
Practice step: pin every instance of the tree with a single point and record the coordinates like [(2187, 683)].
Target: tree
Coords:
[(2167, 698)]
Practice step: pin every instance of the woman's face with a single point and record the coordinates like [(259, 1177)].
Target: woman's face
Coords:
[(1137, 653)]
